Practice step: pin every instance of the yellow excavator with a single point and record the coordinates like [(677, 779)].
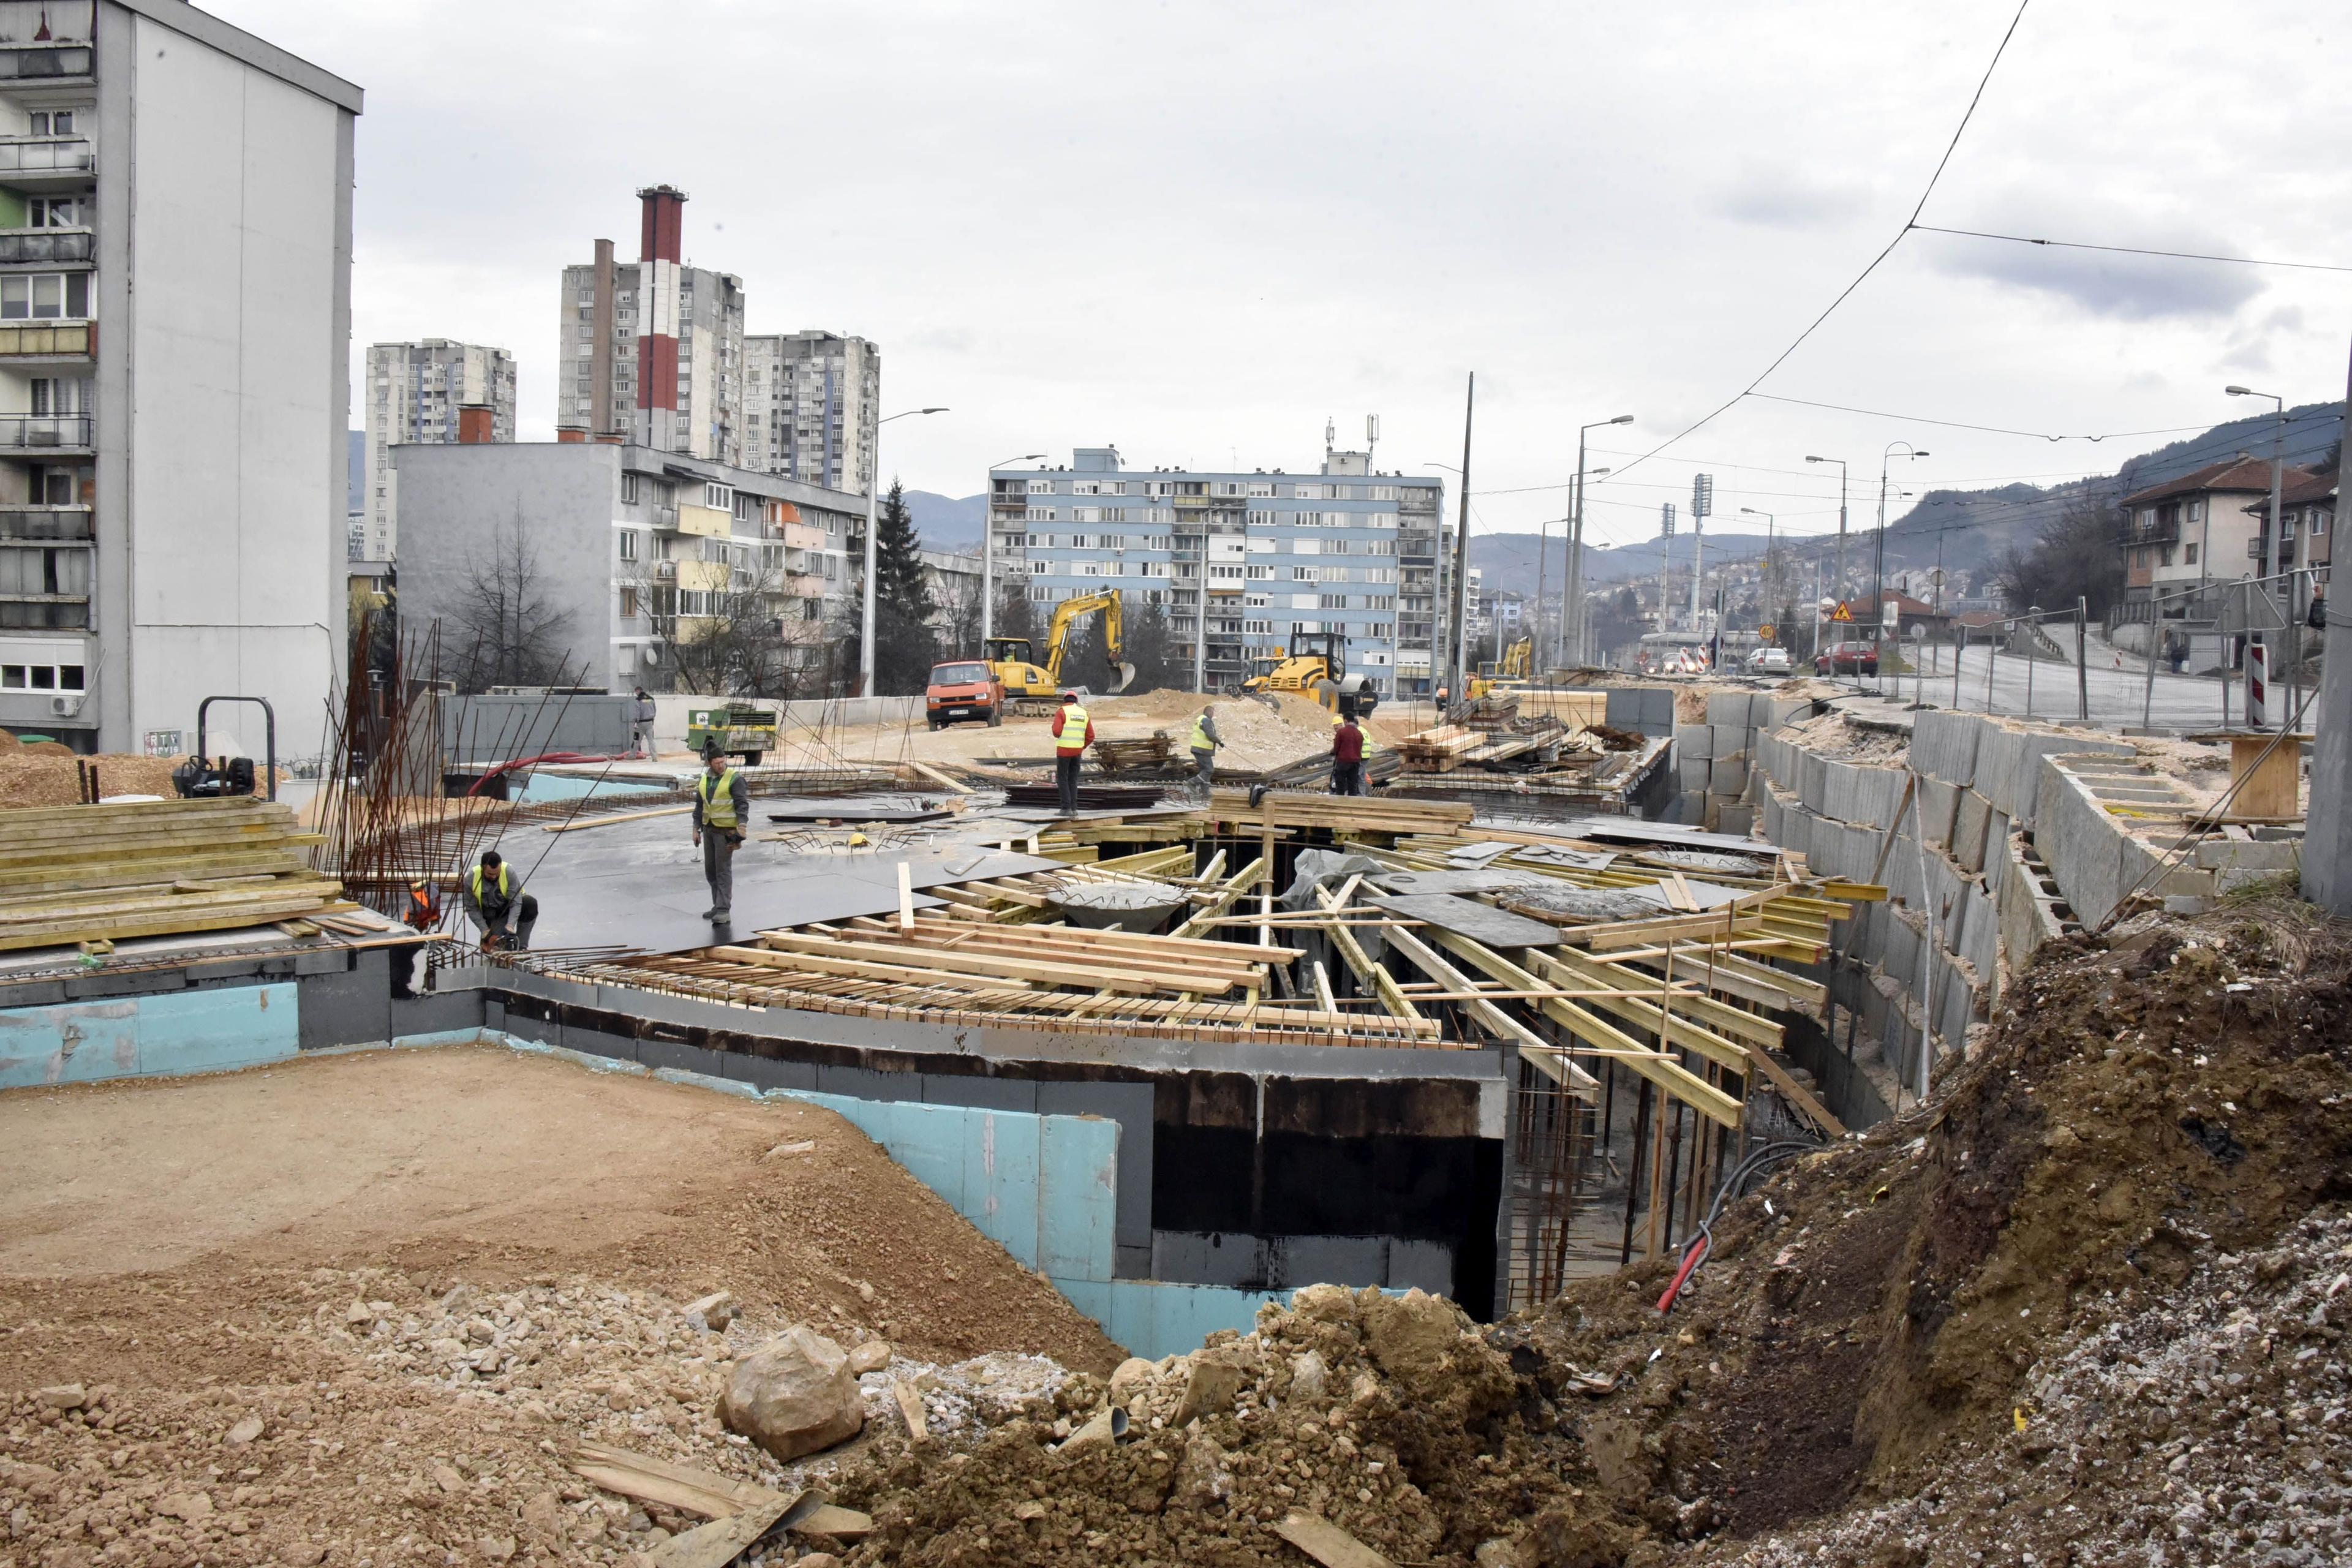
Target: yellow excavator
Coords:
[(1314, 668), (1028, 685), (1514, 669)]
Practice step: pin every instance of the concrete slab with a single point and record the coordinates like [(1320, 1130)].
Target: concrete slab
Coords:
[(1464, 917)]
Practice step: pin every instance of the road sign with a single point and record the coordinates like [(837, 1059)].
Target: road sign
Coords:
[(1765, 633), (1842, 614)]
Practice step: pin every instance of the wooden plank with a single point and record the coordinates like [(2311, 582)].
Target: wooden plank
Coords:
[(1798, 1095), (582, 825), (719, 1542), (939, 778), (1226, 894), (1582, 1023), (868, 969), (1720, 1017), (680, 1487), (1658, 1020), (1548, 1058), (1384, 985), (994, 966)]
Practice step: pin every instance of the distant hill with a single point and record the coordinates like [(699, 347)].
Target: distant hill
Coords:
[(1975, 528), (948, 522)]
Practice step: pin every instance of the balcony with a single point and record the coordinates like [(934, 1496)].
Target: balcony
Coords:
[(21, 520), (47, 62), (47, 245), (47, 162), (47, 340), (47, 432)]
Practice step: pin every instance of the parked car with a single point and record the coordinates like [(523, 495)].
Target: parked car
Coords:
[(1848, 659), (1768, 660), (963, 689)]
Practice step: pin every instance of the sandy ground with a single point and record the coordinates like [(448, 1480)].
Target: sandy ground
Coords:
[(310, 1248)]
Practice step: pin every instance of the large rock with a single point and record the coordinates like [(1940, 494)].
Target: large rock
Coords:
[(794, 1396)]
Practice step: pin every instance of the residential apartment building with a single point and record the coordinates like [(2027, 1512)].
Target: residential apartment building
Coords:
[(623, 552), (2306, 523), (175, 216), (811, 403), (2203, 526), (1243, 563), (418, 392), (651, 351)]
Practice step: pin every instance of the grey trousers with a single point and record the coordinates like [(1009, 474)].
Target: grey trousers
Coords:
[(719, 867), (642, 740), (1204, 763)]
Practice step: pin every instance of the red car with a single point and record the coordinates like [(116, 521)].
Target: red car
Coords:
[(1847, 658), (963, 689)]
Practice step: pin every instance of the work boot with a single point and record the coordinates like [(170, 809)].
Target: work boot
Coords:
[(720, 917), (711, 914)]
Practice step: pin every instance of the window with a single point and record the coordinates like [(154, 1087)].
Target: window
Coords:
[(628, 543), (1041, 487), (1309, 492), (45, 296), (1305, 574), (60, 394), (41, 678), (629, 490), (1383, 492), (55, 212), (628, 602), (719, 498), (2189, 555), (51, 123)]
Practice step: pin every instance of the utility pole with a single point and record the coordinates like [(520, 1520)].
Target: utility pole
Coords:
[(1702, 504), (1837, 586), (1878, 570), (1576, 538), (2270, 546), (1457, 685), (2327, 839)]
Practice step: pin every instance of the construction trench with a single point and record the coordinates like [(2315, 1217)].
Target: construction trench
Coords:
[(1371, 1133)]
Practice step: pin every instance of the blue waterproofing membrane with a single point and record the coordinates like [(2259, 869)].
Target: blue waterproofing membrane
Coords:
[(1044, 1187), (544, 786), (149, 1037)]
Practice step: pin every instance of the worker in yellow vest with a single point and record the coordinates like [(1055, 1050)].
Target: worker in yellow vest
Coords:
[(494, 901), (1205, 741), (722, 805), (1073, 734)]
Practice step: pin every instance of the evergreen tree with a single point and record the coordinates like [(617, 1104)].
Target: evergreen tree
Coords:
[(1152, 651), (903, 609)]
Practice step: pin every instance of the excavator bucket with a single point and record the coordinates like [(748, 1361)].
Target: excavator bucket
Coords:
[(1125, 679)]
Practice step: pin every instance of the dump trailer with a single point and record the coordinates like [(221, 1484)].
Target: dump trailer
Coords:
[(741, 730)]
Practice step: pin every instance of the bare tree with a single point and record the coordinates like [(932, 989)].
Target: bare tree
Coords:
[(730, 642), (506, 620), (958, 599)]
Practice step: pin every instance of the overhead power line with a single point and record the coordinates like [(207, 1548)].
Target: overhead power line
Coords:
[(1963, 425), (1844, 294), (2136, 250)]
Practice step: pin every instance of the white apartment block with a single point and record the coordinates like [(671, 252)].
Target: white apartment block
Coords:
[(415, 392), (176, 231), (1261, 559), (811, 403), (652, 351)]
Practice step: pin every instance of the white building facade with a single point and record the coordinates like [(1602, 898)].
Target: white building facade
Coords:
[(1241, 563), (811, 403), (414, 391), (175, 220)]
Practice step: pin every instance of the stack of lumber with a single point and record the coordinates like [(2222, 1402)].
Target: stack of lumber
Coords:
[(1340, 813), (1135, 756), (102, 873), (1091, 796), (1490, 713), (1440, 750)]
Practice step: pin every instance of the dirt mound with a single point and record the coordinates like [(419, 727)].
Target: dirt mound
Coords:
[(1383, 1415), (1157, 703), (43, 773), (419, 1276)]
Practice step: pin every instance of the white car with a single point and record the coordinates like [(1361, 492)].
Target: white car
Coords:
[(1768, 662)]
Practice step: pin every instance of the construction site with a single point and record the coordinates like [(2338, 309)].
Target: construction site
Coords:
[(1710, 1122)]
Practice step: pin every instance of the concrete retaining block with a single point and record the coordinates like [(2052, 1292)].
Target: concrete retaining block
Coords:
[(1936, 803), (1813, 782), (2247, 856), (1694, 740), (1944, 745), (1727, 778), (1971, 813), (1736, 819), (1692, 771), (1729, 708), (2025, 775)]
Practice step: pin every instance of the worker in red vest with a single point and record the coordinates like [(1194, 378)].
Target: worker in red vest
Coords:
[(1073, 734)]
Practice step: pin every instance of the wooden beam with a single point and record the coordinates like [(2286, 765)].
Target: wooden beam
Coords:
[(1548, 1057)]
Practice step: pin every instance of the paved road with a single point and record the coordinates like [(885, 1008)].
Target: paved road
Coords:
[(2181, 702)]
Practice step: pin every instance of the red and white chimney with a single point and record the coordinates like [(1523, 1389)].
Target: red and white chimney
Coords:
[(659, 256)]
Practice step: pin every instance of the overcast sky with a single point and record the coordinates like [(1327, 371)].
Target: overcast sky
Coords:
[(1197, 230)]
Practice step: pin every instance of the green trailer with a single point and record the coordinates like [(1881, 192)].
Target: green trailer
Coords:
[(750, 733)]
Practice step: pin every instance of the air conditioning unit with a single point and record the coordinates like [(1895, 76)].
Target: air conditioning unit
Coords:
[(64, 707)]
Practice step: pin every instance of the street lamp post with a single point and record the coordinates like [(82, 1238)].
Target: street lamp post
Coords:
[(2271, 547), (1878, 558), (988, 549), (1575, 573), (873, 491), (1770, 520), (1838, 587)]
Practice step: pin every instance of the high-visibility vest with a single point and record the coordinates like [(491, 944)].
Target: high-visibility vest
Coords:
[(1073, 737), (1200, 742), (503, 884), (718, 799)]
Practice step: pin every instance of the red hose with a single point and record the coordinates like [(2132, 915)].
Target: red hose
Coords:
[(1698, 1249), (526, 762)]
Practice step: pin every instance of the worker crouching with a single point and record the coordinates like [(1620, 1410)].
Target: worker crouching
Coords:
[(1073, 734), (722, 803), (496, 904)]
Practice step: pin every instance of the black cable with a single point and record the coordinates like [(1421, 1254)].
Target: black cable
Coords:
[(1844, 294), (2135, 250)]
